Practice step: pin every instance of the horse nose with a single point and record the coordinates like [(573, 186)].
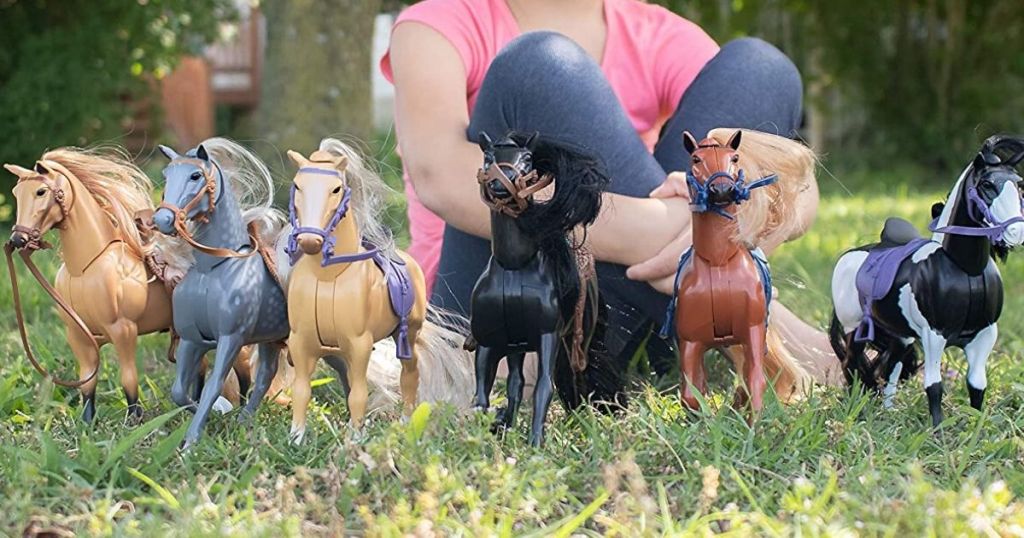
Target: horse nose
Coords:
[(721, 193), (1014, 235), (310, 244), (19, 239), (163, 219)]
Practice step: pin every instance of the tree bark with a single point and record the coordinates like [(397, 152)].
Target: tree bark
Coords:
[(316, 80)]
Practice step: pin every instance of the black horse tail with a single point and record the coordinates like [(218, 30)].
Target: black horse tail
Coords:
[(872, 363)]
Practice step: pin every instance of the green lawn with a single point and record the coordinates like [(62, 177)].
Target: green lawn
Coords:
[(833, 464)]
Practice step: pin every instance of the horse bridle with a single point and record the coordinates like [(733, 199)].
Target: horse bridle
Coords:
[(327, 249), (981, 214), (34, 244), (700, 195), (209, 191), (520, 189)]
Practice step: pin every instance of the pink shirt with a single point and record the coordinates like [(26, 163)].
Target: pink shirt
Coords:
[(651, 56)]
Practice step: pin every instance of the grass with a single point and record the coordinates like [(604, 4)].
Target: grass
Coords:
[(835, 463)]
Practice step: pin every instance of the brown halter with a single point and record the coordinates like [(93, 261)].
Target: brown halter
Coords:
[(519, 190), (36, 242), (209, 191)]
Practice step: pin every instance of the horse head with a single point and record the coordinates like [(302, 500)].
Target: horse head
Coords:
[(992, 190), (44, 197), (192, 188), (319, 198), (507, 178)]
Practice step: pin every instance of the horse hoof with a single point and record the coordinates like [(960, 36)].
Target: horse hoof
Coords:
[(134, 416), (222, 405), (188, 445), (245, 415), (296, 437)]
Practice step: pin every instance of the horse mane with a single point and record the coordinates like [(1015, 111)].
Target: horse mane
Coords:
[(771, 219), (369, 193), (251, 184), (118, 185)]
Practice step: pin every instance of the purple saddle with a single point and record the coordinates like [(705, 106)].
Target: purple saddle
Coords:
[(396, 274), (876, 276)]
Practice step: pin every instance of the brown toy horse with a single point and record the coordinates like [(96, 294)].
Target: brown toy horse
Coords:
[(723, 286)]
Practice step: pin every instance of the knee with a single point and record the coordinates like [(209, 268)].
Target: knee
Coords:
[(765, 65), (550, 54), (179, 395)]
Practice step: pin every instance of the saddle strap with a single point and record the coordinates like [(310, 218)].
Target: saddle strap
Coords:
[(670, 310), (67, 308), (588, 290), (399, 285)]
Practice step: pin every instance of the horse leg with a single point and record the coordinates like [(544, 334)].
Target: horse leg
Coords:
[(515, 389), (123, 335), (691, 367), (359, 361), (304, 357), (487, 359), (544, 390), (933, 344), (243, 371), (227, 351), (754, 350), (338, 365), (977, 352), (410, 379), (188, 358), (88, 361), (266, 370)]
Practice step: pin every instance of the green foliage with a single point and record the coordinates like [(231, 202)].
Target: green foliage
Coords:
[(73, 72), (920, 79), (837, 463)]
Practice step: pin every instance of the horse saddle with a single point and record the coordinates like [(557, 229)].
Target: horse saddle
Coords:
[(763, 270), (898, 241), (396, 274)]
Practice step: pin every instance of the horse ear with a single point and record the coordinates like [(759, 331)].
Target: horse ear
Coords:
[(201, 153), (980, 162), (341, 163), (1015, 160), (168, 152), (19, 171), (734, 140), (42, 168), (486, 144), (689, 142), (297, 158), (531, 142), (937, 208)]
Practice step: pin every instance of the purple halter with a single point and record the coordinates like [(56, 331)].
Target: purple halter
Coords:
[(991, 228), (327, 251)]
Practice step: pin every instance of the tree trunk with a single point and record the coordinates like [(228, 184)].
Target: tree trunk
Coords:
[(316, 80)]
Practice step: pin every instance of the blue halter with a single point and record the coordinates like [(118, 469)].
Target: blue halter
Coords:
[(699, 194)]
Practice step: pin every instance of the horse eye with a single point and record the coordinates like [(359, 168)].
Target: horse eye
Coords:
[(40, 192), (195, 176), (336, 190), (696, 159), (735, 159)]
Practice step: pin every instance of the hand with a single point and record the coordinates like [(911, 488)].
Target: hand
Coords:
[(674, 185), (660, 270)]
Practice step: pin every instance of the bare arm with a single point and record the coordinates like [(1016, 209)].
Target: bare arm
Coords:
[(430, 94)]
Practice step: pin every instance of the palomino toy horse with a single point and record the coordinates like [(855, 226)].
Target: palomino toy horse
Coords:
[(538, 293), (230, 297), (723, 285), (350, 288), (944, 291), (106, 287)]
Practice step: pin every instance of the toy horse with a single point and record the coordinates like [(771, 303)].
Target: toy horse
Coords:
[(944, 291), (537, 293), (230, 297), (350, 288), (105, 287), (723, 284)]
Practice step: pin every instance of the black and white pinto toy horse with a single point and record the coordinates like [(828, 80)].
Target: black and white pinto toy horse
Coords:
[(945, 291)]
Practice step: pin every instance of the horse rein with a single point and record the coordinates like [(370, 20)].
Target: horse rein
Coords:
[(520, 189), (209, 191), (700, 195), (327, 250)]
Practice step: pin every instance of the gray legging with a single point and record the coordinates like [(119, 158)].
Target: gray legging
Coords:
[(543, 81)]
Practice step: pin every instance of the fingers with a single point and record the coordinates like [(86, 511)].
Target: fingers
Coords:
[(674, 185), (662, 265)]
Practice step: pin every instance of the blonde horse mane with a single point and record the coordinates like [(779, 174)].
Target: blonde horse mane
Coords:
[(369, 192), (251, 184), (118, 185), (770, 216)]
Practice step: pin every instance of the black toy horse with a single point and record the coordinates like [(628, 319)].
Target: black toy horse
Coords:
[(944, 291), (539, 291)]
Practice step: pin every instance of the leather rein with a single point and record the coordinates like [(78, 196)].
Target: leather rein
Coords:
[(209, 191), (35, 243), (520, 189)]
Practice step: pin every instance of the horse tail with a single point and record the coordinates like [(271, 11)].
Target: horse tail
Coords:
[(790, 378), (772, 218)]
